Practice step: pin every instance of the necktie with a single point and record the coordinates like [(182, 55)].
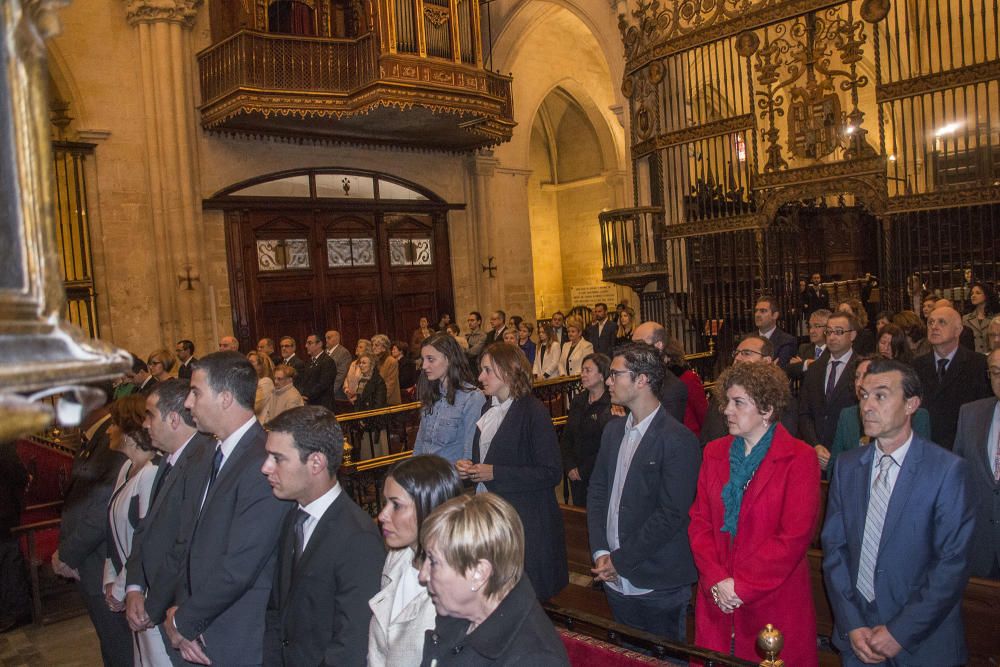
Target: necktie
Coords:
[(942, 367), (161, 475), (878, 503), (818, 353), (831, 381), (300, 537), (996, 461), (216, 465)]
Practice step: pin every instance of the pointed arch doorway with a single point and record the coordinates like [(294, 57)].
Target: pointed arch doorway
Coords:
[(357, 251)]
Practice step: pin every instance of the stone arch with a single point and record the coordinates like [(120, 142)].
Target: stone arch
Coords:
[(63, 88)]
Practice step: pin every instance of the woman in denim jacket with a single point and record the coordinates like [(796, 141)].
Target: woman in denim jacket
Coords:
[(451, 401)]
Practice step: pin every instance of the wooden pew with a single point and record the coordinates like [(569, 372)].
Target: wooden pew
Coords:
[(980, 604)]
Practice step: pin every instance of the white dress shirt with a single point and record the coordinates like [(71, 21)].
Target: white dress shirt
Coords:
[(630, 443), (316, 509)]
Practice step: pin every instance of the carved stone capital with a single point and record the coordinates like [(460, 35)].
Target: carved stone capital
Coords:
[(168, 11)]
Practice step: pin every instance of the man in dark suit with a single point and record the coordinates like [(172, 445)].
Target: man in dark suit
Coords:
[(83, 545), (181, 476), (752, 349), (815, 296), (978, 442), (330, 554), (559, 328), (899, 524), (225, 579), (828, 386), (766, 314), (342, 357), (602, 332), (810, 352), (142, 379), (185, 358), (265, 346), (498, 324), (640, 492), (316, 382), (951, 375), (672, 391), (288, 356)]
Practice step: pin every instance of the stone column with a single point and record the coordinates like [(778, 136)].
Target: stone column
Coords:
[(176, 244)]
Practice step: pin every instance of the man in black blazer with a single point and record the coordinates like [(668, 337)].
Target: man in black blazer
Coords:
[(182, 475), (602, 332), (951, 375), (83, 545), (672, 391), (815, 297), (330, 554), (640, 492), (185, 358), (559, 328), (225, 580), (498, 324), (811, 351), (766, 314), (143, 381), (828, 386), (288, 356), (317, 383), (978, 442)]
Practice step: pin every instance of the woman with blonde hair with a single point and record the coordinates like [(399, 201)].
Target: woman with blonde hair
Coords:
[(265, 380), (473, 568), (353, 372), (626, 323), (546, 354), (161, 363), (575, 349)]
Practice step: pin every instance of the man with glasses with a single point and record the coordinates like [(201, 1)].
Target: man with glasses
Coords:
[(288, 358), (144, 380), (284, 397), (186, 358), (828, 386), (951, 374), (978, 442), (640, 492), (814, 349), (752, 349)]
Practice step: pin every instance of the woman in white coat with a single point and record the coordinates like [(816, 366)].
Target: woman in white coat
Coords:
[(402, 610), (575, 349), (547, 354)]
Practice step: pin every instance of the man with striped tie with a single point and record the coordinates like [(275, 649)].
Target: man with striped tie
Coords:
[(896, 540)]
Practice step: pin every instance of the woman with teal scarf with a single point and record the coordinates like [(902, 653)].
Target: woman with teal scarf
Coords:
[(752, 521)]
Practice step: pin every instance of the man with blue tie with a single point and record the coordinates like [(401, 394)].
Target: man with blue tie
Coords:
[(814, 349), (897, 534), (227, 564)]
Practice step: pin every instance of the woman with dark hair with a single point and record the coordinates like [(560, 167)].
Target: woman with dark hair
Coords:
[(451, 401), (129, 504), (403, 611), (697, 402), (589, 411), (515, 454), (752, 521), (546, 363), (892, 344), (915, 331), (984, 306)]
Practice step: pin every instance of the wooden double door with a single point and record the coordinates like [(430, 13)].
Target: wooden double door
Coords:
[(295, 271)]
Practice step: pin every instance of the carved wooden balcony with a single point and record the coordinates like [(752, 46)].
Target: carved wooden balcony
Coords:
[(632, 245), (403, 82)]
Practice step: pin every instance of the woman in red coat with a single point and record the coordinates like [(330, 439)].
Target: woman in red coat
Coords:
[(753, 518)]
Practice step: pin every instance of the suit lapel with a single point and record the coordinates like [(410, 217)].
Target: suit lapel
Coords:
[(233, 462), (287, 546), (982, 454), (862, 491), (508, 423), (765, 470), (906, 481)]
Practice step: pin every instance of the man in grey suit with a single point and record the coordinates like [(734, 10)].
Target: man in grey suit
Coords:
[(183, 473), (225, 580), (330, 555), (978, 442), (642, 487), (342, 357)]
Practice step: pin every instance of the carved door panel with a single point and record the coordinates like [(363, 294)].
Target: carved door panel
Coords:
[(352, 291), (416, 270)]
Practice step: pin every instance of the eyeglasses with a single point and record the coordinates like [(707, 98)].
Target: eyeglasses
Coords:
[(613, 375), (286, 345), (837, 332), (746, 353)]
